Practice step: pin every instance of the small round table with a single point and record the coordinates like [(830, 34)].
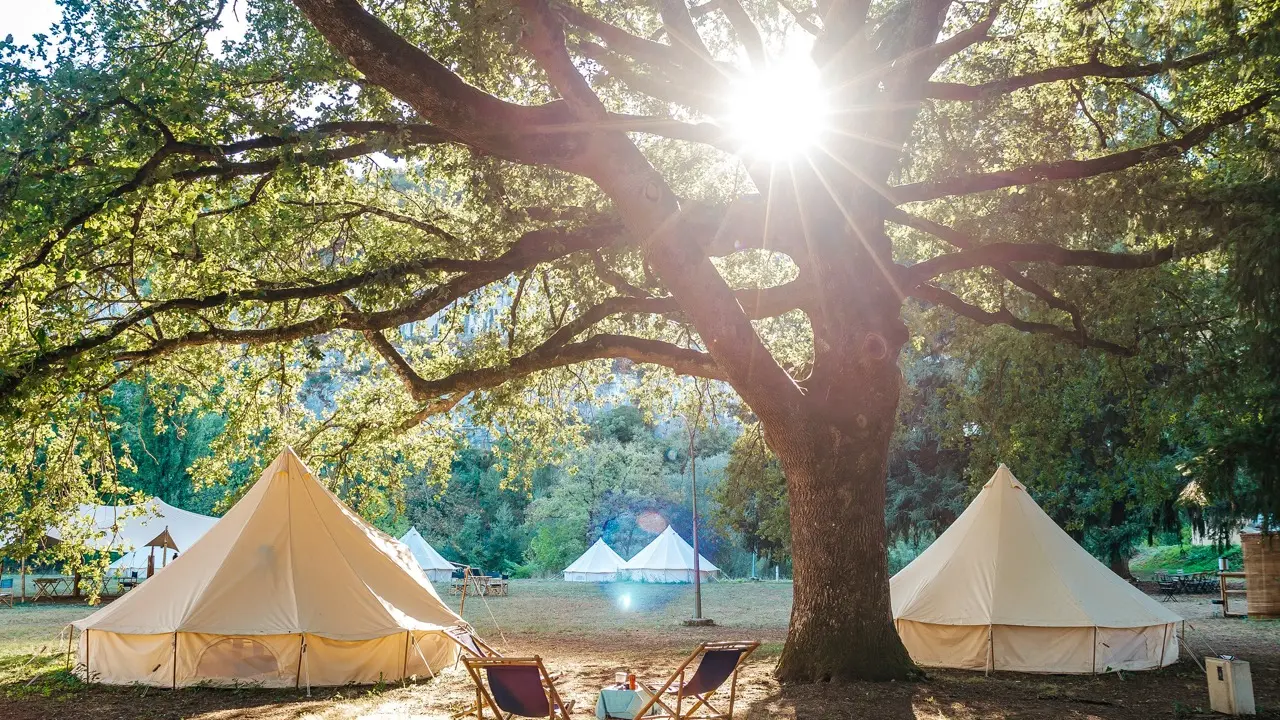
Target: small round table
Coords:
[(620, 701)]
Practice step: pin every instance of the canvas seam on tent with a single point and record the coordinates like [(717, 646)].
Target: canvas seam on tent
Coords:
[(337, 550)]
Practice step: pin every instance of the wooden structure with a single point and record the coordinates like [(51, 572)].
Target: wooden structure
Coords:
[(1262, 573), (719, 665), (1226, 591)]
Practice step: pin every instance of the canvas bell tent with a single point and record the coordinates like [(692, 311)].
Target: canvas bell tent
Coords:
[(289, 589), (134, 529), (432, 563), (668, 559), (1004, 588), (598, 564), (184, 529)]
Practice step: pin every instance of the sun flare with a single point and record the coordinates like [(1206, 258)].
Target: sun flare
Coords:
[(778, 112)]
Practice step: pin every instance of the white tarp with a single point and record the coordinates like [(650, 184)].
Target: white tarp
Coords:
[(598, 564), (290, 588), (1005, 588), (128, 528), (432, 563), (668, 559)]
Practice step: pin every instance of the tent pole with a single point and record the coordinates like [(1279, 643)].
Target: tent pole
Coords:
[(305, 663), (71, 633), (1164, 643), (1093, 667), (175, 660), (302, 643), (991, 649), (404, 660)]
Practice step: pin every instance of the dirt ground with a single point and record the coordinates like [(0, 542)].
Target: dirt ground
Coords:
[(590, 632)]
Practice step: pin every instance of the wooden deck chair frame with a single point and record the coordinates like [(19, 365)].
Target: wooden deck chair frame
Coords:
[(485, 650), (701, 701), (485, 703)]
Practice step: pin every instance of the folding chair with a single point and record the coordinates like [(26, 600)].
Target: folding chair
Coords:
[(515, 687), (6, 592), (720, 663), (1168, 589), (466, 638)]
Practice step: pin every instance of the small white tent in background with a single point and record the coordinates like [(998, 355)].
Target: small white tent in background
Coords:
[(129, 528), (432, 563), (668, 559), (598, 564), (289, 589), (1004, 588)]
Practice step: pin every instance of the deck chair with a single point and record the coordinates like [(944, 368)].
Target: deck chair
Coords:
[(467, 640), (6, 592), (515, 687), (719, 664)]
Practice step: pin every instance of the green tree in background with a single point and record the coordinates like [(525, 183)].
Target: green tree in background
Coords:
[(752, 499)]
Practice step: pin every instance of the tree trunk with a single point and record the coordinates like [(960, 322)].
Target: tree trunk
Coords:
[(836, 461), (841, 621), (1120, 564)]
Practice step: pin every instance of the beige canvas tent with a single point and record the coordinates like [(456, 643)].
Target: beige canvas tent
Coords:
[(598, 564), (432, 563), (1004, 588), (668, 559), (289, 589)]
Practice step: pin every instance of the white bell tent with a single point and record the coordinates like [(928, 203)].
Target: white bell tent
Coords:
[(130, 529), (289, 589), (598, 564), (668, 559), (1005, 588), (432, 563)]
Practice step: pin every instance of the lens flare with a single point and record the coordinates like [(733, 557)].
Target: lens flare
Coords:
[(780, 111)]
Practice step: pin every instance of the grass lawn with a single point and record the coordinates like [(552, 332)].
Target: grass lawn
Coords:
[(589, 632)]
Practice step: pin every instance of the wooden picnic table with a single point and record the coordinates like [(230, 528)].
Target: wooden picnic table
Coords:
[(479, 585), (49, 587)]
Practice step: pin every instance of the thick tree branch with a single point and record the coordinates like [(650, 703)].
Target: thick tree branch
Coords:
[(937, 296), (1076, 169), (531, 249), (922, 63), (533, 135), (148, 173), (746, 31), (543, 37), (996, 254), (684, 35), (1093, 68)]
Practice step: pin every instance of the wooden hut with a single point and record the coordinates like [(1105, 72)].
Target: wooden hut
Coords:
[(1262, 572)]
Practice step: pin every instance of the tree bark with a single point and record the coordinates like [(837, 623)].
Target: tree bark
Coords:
[(841, 620), (1120, 564)]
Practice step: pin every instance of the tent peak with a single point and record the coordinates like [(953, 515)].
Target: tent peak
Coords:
[(1005, 477)]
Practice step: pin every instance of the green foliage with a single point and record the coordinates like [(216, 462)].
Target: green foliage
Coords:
[(752, 500), (1187, 558)]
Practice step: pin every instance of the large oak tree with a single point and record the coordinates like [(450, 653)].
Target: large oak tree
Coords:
[(212, 214)]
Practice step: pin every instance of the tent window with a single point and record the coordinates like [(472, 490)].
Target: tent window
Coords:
[(238, 658)]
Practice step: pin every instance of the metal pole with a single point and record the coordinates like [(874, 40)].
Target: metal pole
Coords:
[(697, 570)]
